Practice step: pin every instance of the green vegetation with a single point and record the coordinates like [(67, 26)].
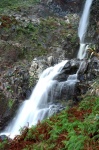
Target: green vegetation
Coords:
[(75, 128), (2, 144), (10, 103), (41, 36), (71, 129), (16, 4), (35, 39)]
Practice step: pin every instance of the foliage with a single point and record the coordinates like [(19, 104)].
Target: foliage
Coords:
[(74, 128), (16, 4), (3, 144), (35, 39), (10, 103)]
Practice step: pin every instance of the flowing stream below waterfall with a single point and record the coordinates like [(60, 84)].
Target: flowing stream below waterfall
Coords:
[(37, 106)]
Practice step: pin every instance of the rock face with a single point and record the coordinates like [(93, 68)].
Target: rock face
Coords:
[(87, 71), (74, 79), (93, 30), (39, 64), (69, 5), (63, 7), (14, 85)]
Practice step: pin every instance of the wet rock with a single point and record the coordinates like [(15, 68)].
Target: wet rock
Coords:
[(40, 64), (70, 68), (62, 7), (89, 70), (52, 60), (72, 83), (56, 108), (37, 67), (83, 67), (28, 93), (67, 66), (8, 114), (61, 77)]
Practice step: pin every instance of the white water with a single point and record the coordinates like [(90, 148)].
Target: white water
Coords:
[(36, 108), (82, 51), (83, 25)]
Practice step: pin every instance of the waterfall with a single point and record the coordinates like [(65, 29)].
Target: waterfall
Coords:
[(82, 29), (37, 107)]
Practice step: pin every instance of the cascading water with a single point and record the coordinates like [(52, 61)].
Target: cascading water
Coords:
[(37, 107), (82, 29)]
